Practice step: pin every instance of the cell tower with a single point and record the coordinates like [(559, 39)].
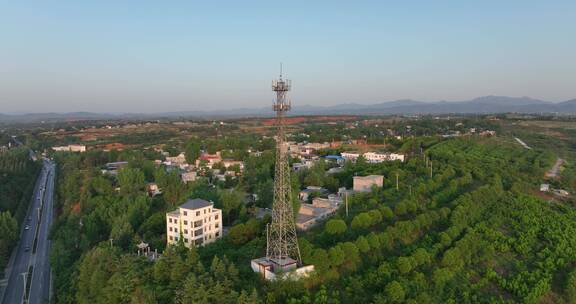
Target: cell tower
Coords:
[(282, 244), (282, 252)]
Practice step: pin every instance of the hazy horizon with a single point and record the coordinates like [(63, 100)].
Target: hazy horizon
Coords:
[(134, 57)]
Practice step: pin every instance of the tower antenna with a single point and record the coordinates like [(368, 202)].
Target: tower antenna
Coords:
[(282, 251), (282, 247)]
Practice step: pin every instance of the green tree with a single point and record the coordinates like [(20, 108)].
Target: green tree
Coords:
[(336, 255), (131, 181), (361, 221), (192, 151), (405, 264), (387, 213), (395, 292), (122, 232), (93, 273), (231, 201), (571, 287), (362, 244), (335, 226), (248, 298), (8, 235)]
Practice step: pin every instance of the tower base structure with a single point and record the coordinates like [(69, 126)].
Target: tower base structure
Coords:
[(280, 269)]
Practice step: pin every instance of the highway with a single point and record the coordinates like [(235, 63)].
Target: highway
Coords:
[(30, 258)]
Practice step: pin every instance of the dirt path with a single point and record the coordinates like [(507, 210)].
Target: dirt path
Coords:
[(553, 173)]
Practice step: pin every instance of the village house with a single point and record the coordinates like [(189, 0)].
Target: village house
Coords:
[(70, 148), (320, 209), (189, 176), (365, 183), (304, 194), (178, 160), (209, 159), (153, 189)]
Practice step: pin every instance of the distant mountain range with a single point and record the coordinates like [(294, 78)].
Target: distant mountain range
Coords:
[(480, 105)]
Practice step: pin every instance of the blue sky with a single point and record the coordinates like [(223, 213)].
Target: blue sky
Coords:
[(152, 56)]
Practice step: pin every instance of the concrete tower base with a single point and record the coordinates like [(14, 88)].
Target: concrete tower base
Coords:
[(288, 269)]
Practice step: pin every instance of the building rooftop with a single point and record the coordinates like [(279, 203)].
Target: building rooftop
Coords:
[(174, 213), (196, 203), (368, 176), (312, 189), (303, 218)]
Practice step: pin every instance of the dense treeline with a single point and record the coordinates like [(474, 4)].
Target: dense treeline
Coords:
[(460, 227), (17, 178), (384, 130), (102, 211)]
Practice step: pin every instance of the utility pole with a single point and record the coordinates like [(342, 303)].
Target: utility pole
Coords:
[(25, 281), (346, 204), (111, 242), (397, 186), (430, 168)]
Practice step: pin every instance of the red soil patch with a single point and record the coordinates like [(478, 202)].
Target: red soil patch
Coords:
[(295, 120), (111, 146), (76, 208), (288, 121)]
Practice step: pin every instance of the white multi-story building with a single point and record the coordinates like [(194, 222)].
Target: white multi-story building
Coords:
[(196, 221), (70, 148), (350, 156), (373, 157)]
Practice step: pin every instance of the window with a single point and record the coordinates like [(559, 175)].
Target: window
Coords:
[(197, 213), (185, 213), (185, 231), (217, 225), (171, 238), (204, 211), (185, 222), (175, 229), (217, 234), (170, 228), (216, 217), (169, 220), (185, 240)]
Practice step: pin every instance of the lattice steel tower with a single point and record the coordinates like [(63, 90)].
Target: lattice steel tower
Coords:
[(282, 243)]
